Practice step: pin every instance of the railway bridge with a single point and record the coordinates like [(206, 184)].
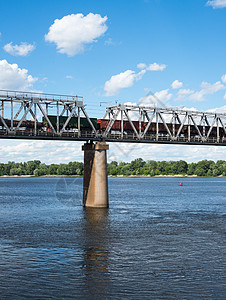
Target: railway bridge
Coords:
[(39, 116)]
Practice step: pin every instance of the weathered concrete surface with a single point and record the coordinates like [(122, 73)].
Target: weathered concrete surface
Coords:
[(95, 180)]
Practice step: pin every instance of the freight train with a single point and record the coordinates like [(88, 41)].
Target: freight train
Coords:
[(101, 124)]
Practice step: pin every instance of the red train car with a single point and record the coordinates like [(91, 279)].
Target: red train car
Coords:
[(103, 123)]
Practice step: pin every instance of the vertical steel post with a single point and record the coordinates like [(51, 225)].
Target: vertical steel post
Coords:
[(157, 126), (218, 133), (11, 114), (79, 123), (174, 122), (122, 125), (25, 111), (189, 128), (58, 125), (35, 118), (203, 126), (140, 122)]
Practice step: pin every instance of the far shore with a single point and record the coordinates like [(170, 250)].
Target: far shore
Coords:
[(118, 176)]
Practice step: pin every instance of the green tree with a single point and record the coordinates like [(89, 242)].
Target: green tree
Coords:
[(15, 171), (31, 166), (36, 172)]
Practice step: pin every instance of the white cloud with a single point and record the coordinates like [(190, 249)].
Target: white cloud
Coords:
[(109, 42), (58, 152), (72, 32), (223, 78), (225, 96), (123, 80), (185, 92), (61, 152), (129, 152), (69, 77), (127, 78), (141, 66), (156, 67), (216, 3), (219, 110), (160, 98), (19, 50), (12, 77), (182, 93), (151, 67), (176, 84), (207, 89)]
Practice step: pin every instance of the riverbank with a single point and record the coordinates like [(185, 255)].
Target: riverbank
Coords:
[(118, 176)]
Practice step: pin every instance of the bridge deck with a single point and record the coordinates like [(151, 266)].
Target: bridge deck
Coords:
[(89, 136)]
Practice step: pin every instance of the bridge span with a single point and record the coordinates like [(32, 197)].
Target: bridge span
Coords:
[(39, 116)]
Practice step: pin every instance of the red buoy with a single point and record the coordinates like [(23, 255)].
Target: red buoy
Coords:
[(181, 184)]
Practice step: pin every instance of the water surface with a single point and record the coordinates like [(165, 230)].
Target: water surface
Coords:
[(158, 240)]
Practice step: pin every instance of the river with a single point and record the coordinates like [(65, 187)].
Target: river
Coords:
[(158, 240)]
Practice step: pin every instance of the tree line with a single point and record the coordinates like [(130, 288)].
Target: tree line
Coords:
[(137, 167)]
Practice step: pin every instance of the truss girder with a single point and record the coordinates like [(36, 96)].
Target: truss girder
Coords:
[(176, 123), (72, 106), (137, 123)]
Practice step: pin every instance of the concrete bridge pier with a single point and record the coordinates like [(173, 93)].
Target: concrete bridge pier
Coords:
[(95, 180)]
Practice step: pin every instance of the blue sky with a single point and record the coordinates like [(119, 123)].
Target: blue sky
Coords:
[(119, 51)]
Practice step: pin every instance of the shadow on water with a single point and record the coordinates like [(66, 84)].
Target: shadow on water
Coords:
[(96, 251)]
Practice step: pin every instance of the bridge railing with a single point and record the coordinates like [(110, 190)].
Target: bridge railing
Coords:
[(112, 137)]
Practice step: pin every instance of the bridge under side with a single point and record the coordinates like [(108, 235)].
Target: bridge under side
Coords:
[(95, 180), (113, 138)]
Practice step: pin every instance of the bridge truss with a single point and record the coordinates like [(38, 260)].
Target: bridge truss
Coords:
[(163, 125), (28, 115)]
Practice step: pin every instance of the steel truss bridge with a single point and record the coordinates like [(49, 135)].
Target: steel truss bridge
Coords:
[(28, 115)]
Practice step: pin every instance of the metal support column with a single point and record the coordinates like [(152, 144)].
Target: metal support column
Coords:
[(122, 125), (157, 126), (11, 114), (35, 110)]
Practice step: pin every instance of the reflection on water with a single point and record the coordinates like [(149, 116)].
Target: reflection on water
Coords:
[(96, 253), (158, 240)]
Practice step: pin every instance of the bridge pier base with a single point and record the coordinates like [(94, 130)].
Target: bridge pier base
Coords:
[(95, 180)]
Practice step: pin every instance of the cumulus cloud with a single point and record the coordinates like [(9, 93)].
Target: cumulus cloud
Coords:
[(160, 97), (219, 110), (207, 89), (69, 77), (225, 96), (216, 3), (126, 79), (156, 67), (12, 77), (151, 67), (223, 78), (141, 66), (176, 84), (73, 32), (58, 152), (162, 152), (19, 50), (185, 92), (123, 80)]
